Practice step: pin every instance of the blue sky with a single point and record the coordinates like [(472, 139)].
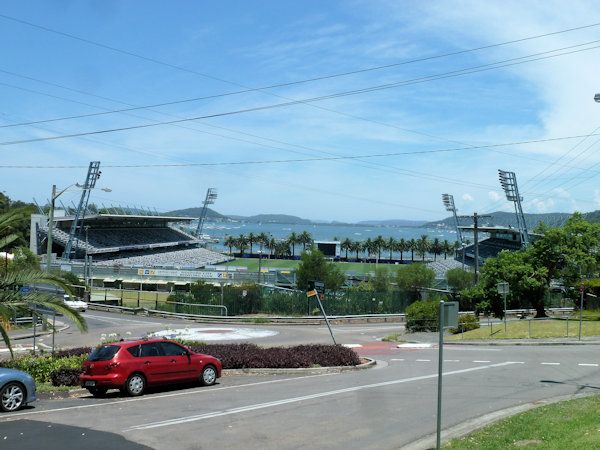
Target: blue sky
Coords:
[(388, 153)]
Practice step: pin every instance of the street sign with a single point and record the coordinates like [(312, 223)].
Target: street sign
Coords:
[(25, 289), (311, 293), (450, 319), (503, 288), (581, 288)]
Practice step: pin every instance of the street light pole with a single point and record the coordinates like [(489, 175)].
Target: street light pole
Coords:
[(50, 221)]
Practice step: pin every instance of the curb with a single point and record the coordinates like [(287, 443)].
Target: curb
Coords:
[(469, 426), (73, 393)]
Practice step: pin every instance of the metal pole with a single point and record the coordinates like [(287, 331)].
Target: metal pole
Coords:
[(50, 220), (440, 367), (580, 309), (34, 317), (326, 319), (505, 310), (53, 331), (476, 239)]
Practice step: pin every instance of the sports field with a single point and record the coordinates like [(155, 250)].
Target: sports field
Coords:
[(252, 265)]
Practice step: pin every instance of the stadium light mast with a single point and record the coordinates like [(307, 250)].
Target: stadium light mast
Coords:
[(449, 204), (211, 196), (508, 180)]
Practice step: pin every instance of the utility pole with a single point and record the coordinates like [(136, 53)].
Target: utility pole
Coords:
[(475, 218)]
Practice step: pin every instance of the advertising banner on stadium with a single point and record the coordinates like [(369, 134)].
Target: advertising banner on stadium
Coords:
[(184, 273)]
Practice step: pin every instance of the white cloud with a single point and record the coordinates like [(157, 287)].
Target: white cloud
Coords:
[(494, 196), (467, 197)]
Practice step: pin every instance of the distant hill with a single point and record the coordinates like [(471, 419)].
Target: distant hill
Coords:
[(505, 219), (393, 223), (211, 215), (272, 218)]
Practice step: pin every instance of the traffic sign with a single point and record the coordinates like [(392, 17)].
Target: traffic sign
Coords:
[(311, 293)]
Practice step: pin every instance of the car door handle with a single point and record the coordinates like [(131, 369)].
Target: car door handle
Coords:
[(173, 360), (148, 362)]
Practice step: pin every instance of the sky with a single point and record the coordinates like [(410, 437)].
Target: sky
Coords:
[(327, 110)]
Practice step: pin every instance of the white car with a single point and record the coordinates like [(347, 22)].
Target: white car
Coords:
[(75, 303)]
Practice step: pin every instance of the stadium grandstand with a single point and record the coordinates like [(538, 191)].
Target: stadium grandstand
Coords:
[(499, 238), (125, 240)]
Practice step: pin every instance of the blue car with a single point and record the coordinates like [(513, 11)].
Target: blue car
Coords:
[(17, 389)]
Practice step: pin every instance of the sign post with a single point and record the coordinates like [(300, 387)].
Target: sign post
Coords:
[(319, 292), (581, 288), (503, 289), (448, 318)]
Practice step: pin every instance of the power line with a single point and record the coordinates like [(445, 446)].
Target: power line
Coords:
[(451, 74)]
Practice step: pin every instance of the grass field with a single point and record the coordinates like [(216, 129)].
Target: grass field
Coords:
[(537, 329), (567, 425)]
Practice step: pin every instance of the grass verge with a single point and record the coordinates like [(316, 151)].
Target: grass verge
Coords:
[(537, 329), (571, 424)]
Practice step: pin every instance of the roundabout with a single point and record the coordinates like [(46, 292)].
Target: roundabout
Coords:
[(213, 334)]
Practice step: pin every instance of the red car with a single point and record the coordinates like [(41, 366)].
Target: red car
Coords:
[(131, 366)]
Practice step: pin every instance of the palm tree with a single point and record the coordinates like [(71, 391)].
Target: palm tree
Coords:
[(271, 245), (412, 246), (423, 245), (446, 248), (293, 240), (356, 247), (403, 246), (436, 248), (241, 243), (390, 245), (251, 240), (368, 247), (305, 239), (229, 242), (378, 243), (12, 298), (346, 245)]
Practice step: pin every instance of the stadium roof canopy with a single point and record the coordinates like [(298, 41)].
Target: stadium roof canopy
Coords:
[(123, 220)]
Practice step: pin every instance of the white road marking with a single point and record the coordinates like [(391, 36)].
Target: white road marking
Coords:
[(396, 359), (550, 364), (423, 360), (203, 390), (477, 361), (587, 365), (452, 360), (414, 345), (286, 401), (352, 345)]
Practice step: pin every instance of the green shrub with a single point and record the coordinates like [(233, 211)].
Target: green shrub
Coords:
[(422, 316), (41, 368), (470, 321)]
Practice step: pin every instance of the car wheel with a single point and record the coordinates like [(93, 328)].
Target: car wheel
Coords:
[(97, 391), (12, 397), (135, 384), (209, 376)]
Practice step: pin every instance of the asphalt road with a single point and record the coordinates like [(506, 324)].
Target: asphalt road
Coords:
[(390, 406)]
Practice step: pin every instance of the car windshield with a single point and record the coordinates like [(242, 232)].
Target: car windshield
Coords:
[(104, 353)]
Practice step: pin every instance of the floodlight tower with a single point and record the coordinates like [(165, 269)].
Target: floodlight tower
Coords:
[(211, 196), (508, 180), (449, 204)]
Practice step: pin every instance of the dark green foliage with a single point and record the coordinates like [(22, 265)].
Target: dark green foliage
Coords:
[(470, 321), (411, 277), (422, 316), (65, 377), (249, 356), (77, 351), (314, 267), (459, 279)]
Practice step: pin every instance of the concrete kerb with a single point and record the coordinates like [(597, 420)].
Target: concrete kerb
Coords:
[(72, 393), (469, 426), (28, 333)]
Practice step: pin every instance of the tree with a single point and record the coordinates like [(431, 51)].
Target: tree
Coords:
[(314, 267), (412, 277), (229, 242), (381, 282), (459, 279), (293, 240), (346, 245), (12, 299), (436, 248), (403, 246), (356, 247), (305, 239), (423, 245), (378, 244), (447, 247), (251, 240), (412, 246), (390, 245), (241, 243)]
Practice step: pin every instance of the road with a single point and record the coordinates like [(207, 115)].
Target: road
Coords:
[(386, 407)]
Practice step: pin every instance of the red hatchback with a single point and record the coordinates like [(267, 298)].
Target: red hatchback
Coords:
[(131, 366)]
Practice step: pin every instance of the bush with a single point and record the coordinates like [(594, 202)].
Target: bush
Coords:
[(251, 356), (65, 377), (470, 321), (422, 316), (41, 368)]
